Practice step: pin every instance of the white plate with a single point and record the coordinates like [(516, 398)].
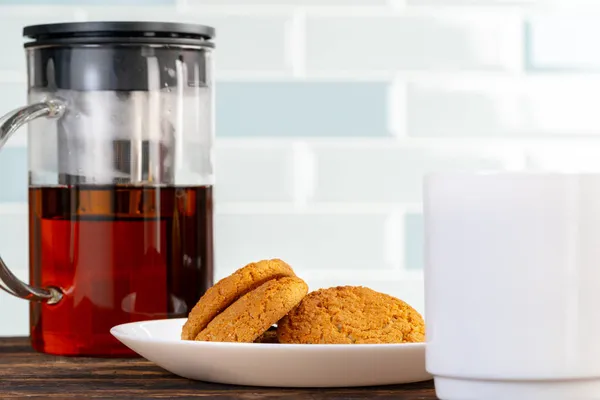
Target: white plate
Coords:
[(281, 365)]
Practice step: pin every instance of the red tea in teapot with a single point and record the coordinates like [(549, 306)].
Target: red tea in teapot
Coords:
[(119, 254)]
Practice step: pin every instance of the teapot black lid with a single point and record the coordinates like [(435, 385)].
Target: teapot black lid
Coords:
[(93, 56), (118, 32)]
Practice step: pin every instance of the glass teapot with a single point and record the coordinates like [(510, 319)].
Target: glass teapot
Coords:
[(121, 132)]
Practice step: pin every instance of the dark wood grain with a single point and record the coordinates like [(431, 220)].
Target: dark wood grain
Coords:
[(27, 374)]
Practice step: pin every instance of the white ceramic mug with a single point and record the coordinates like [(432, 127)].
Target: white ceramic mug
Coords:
[(512, 285)]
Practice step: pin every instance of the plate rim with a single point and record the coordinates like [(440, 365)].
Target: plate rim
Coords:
[(117, 332)]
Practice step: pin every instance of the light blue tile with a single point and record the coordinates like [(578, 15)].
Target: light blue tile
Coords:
[(413, 241), (13, 174), (285, 109)]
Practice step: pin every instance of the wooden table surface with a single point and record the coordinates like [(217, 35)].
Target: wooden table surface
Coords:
[(27, 374)]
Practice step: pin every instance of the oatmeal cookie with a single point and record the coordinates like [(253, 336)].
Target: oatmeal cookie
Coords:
[(255, 312), (351, 314), (229, 289)]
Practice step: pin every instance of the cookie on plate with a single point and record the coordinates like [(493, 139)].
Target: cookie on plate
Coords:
[(220, 296), (351, 314), (255, 312)]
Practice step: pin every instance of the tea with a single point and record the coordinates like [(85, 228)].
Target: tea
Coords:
[(119, 254)]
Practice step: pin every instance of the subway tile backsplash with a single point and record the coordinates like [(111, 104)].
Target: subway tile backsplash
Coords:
[(14, 95), (562, 43), (12, 21), (13, 238), (330, 112), (387, 173), (302, 109), (13, 175), (489, 41), (318, 240), (258, 173), (478, 107), (413, 241)]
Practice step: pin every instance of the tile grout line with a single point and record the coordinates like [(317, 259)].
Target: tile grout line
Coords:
[(304, 174), (519, 69), (397, 105), (295, 48)]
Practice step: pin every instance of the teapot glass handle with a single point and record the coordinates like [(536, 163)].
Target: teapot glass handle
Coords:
[(11, 122)]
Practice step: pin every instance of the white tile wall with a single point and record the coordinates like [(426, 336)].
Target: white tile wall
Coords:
[(14, 311), (254, 173), (385, 172), (14, 94), (249, 44), (14, 236), (505, 106), (12, 21), (560, 155), (317, 240), (448, 41), (560, 42), (151, 13), (13, 250)]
